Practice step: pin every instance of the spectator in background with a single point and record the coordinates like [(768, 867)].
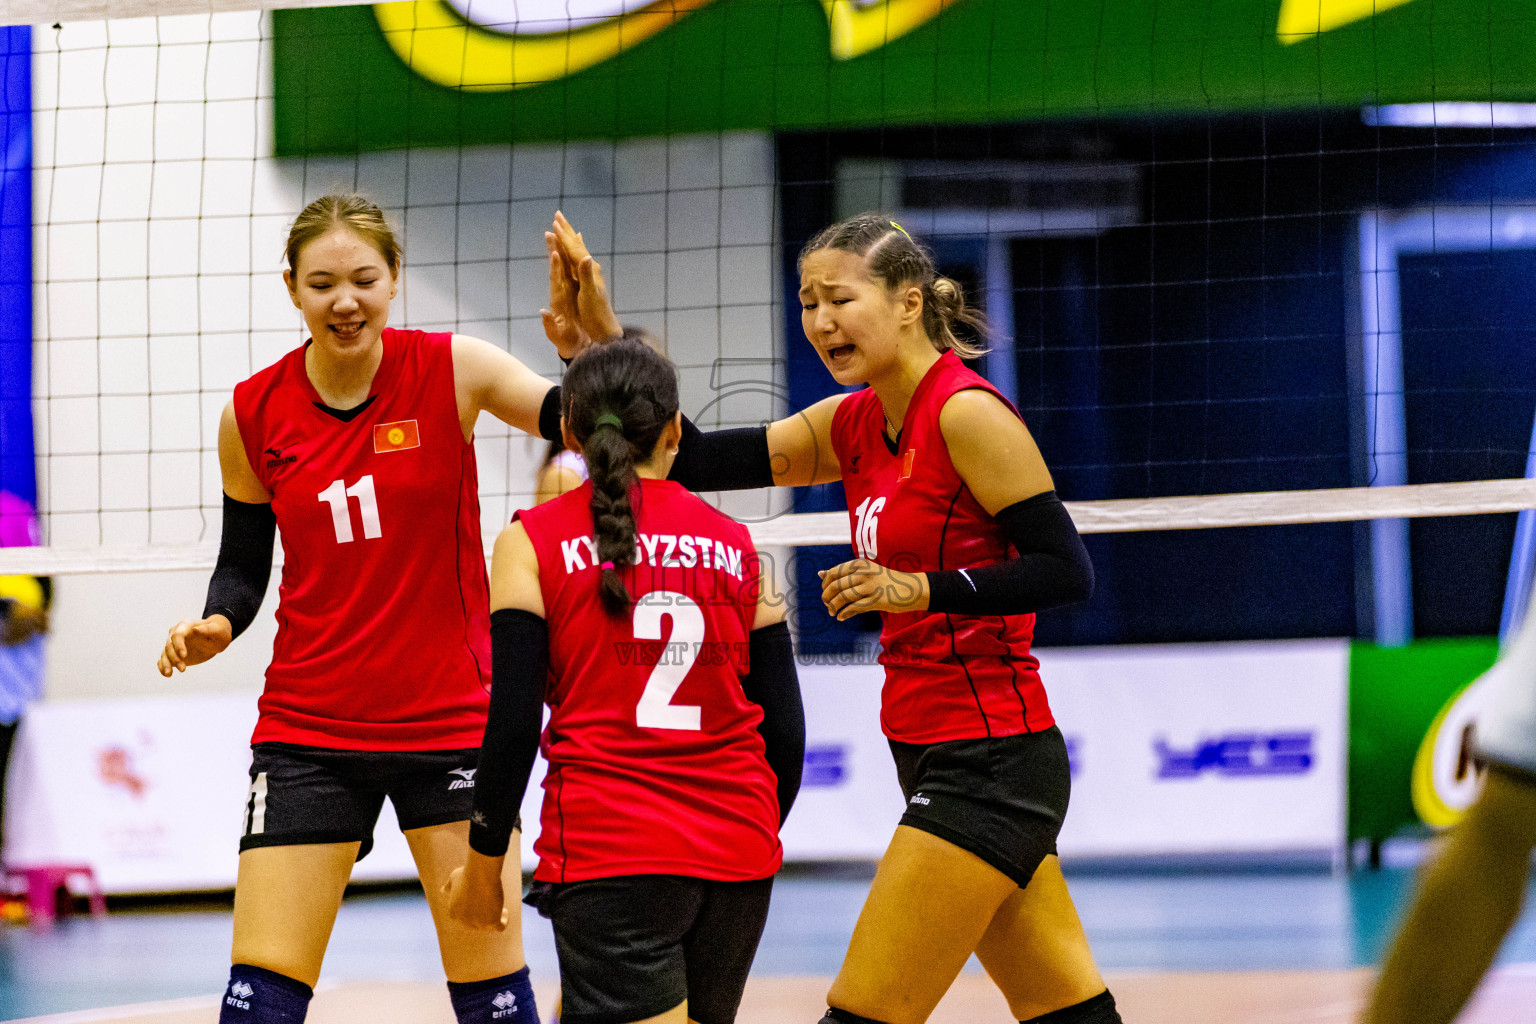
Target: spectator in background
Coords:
[(24, 603), (562, 469)]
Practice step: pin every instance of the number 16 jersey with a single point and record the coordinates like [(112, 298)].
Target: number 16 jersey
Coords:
[(383, 635)]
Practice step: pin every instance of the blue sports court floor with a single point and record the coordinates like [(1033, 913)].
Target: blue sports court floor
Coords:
[(1137, 922)]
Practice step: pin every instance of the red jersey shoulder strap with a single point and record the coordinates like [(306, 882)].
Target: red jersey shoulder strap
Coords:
[(951, 377), (852, 414), (253, 399)]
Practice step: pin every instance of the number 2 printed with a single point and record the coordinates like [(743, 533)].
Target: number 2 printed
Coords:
[(656, 710), (341, 516)]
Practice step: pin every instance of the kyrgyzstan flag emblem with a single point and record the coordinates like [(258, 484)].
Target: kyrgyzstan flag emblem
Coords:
[(396, 437)]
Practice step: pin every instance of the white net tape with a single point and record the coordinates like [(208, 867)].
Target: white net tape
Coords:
[(1201, 512)]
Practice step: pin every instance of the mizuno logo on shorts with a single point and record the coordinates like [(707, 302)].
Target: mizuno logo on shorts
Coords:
[(918, 798), (466, 780)]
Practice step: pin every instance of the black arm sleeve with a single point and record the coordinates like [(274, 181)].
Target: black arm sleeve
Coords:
[(773, 685), (549, 415), (244, 567), (519, 669), (721, 460), (1052, 567)]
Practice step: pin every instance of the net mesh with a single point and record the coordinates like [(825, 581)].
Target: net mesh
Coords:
[(1259, 309)]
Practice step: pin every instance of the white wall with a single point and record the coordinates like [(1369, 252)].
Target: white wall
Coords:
[(160, 220)]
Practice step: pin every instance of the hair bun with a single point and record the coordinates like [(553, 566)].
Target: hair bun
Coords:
[(948, 293)]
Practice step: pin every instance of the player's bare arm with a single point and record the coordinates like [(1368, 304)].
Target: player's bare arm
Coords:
[(800, 446), (515, 572), (240, 480), (992, 450), (476, 896), (488, 379)]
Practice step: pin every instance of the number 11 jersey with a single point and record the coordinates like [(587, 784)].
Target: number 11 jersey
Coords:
[(383, 636)]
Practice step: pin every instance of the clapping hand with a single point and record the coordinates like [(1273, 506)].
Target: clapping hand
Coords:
[(582, 276)]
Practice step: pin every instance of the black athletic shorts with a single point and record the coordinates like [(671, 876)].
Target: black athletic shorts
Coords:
[(1002, 799), (303, 795), (635, 946)]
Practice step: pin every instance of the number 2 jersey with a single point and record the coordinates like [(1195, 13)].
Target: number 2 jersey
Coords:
[(655, 762), (383, 628), (947, 676)]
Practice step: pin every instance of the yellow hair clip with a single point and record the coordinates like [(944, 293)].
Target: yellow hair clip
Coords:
[(903, 230)]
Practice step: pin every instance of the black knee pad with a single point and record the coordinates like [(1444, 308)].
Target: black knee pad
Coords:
[(835, 1016), (1098, 1010)]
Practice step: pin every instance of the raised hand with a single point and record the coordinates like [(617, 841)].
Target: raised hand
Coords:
[(594, 311), (192, 643), (561, 325)]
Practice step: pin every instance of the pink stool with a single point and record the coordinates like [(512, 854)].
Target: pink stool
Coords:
[(43, 884)]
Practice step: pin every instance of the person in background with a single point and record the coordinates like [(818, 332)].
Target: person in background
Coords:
[(24, 604), (562, 469)]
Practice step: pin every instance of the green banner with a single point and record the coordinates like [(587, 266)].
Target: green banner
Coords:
[(420, 73)]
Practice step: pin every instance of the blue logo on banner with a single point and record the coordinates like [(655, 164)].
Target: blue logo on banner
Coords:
[(1237, 754), (826, 765)]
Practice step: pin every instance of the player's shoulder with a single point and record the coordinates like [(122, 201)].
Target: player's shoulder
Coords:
[(854, 409), (575, 505), (253, 394), (725, 525), (573, 461), (413, 336)]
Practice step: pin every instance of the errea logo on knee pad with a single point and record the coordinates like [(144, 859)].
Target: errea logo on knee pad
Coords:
[(505, 1003), (239, 995)]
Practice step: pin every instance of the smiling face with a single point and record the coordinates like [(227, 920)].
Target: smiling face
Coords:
[(853, 320), (342, 284)]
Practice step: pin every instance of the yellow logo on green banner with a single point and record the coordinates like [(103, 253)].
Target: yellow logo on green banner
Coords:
[(498, 45), (1446, 775), (1302, 18)]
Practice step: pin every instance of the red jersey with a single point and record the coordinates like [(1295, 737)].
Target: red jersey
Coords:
[(383, 624), (655, 762), (947, 677)]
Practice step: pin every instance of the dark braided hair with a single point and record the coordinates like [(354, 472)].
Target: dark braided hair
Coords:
[(896, 259), (618, 398), (631, 333)]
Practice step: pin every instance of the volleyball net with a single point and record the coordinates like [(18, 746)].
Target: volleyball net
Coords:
[(1247, 267)]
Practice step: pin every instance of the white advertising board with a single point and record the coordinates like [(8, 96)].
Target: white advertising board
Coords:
[(1203, 749), (150, 792), (1187, 749)]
